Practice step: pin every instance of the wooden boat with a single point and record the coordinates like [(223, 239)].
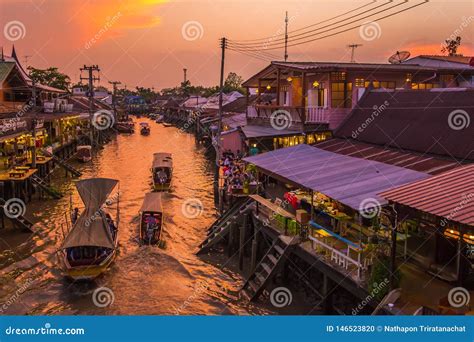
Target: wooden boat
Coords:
[(144, 128), (151, 219), (167, 124), (84, 153), (162, 171), (126, 126), (90, 247)]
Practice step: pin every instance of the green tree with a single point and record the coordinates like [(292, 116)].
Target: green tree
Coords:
[(451, 46), (101, 88), (233, 82), (50, 77), (147, 93)]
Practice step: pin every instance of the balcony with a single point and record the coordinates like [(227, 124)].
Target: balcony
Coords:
[(58, 106), (301, 117)]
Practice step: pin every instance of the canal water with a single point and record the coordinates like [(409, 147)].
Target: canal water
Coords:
[(143, 280)]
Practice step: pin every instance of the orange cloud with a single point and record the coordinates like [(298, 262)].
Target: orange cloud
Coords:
[(100, 20), (435, 49)]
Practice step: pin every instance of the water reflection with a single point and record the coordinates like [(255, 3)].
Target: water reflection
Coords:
[(144, 280)]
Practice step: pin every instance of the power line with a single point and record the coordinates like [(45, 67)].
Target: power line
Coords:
[(309, 34), (252, 54), (339, 32), (262, 53), (321, 22), (303, 34)]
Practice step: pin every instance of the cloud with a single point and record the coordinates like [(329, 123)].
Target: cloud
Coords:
[(111, 18)]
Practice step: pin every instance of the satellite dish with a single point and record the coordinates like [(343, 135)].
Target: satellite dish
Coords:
[(399, 57)]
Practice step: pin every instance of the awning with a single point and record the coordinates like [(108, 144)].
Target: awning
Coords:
[(152, 202), (91, 229), (266, 131), (162, 159), (352, 181)]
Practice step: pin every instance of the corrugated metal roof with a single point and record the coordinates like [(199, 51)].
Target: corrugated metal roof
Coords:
[(426, 163), (346, 179), (449, 195), (251, 131)]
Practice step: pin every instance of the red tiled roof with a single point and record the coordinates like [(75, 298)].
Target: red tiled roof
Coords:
[(421, 121), (449, 195), (415, 161)]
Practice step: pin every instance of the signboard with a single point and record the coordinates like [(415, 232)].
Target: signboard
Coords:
[(8, 126)]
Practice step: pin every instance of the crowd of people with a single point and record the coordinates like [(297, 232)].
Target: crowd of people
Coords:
[(236, 176)]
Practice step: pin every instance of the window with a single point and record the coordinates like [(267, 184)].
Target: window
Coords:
[(341, 95), (359, 82), (424, 86), (446, 79), (409, 77), (382, 84), (338, 76)]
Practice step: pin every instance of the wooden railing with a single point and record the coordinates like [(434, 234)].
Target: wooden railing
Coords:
[(339, 258), (311, 114)]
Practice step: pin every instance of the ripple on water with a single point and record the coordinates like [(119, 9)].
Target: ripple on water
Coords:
[(144, 280)]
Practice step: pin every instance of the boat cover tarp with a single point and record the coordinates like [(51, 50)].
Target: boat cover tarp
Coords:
[(152, 202), (161, 160), (352, 181), (91, 228)]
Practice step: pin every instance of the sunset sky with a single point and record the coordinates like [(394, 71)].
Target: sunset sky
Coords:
[(145, 42)]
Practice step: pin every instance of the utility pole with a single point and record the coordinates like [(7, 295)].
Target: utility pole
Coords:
[(34, 122), (353, 47), (90, 94), (286, 36), (219, 125), (185, 71), (114, 94)]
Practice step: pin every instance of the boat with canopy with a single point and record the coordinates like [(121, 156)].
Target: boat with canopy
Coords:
[(91, 245), (151, 219), (162, 171), (144, 128), (84, 153)]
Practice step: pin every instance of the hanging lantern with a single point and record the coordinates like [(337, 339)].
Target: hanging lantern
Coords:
[(289, 79), (269, 87), (316, 84)]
